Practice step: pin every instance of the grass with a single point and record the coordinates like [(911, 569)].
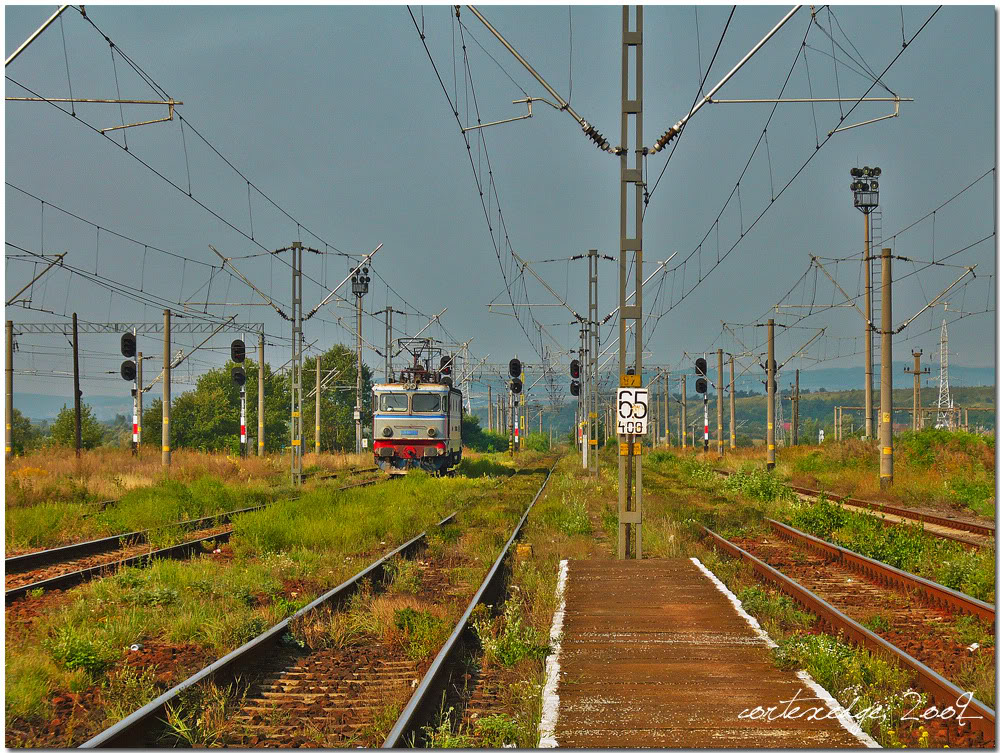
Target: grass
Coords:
[(50, 496), (738, 504), (686, 492), (932, 467), (282, 557)]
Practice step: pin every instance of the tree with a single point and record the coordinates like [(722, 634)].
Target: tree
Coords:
[(25, 435), (208, 417), (336, 405), (476, 439), (64, 428)]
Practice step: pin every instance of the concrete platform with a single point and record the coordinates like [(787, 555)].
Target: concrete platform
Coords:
[(654, 654)]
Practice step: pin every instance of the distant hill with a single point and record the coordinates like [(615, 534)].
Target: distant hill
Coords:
[(40, 407)]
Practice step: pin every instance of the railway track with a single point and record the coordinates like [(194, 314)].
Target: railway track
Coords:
[(828, 585), (951, 528), (68, 566), (295, 696)]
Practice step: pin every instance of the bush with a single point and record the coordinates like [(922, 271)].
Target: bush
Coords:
[(757, 484), (820, 519)]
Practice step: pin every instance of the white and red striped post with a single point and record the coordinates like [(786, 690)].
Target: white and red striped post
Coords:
[(243, 412)]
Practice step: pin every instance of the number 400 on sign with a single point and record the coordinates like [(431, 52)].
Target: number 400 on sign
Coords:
[(633, 410)]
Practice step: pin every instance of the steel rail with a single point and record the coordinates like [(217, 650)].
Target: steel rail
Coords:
[(426, 698), (23, 563), (962, 525), (902, 512), (941, 690), (178, 551), (133, 730), (889, 575)]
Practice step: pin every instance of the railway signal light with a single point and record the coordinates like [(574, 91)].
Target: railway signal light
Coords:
[(574, 369), (239, 376), (701, 367), (238, 351), (446, 364), (128, 345), (515, 386), (128, 371), (701, 385), (574, 388), (514, 368)]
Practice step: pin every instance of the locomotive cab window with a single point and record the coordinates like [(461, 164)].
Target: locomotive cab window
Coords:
[(395, 402), (426, 402)]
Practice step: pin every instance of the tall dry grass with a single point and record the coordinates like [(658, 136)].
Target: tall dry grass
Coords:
[(106, 473)]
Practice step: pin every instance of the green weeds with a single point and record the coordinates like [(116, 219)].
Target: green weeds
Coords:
[(858, 679), (507, 639), (422, 631), (497, 731)]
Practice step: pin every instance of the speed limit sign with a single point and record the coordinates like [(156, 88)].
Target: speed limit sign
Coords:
[(633, 410)]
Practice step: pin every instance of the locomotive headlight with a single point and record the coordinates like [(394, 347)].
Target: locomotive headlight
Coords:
[(387, 432), (432, 432)]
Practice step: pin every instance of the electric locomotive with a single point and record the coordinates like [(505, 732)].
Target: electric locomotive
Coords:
[(418, 421)]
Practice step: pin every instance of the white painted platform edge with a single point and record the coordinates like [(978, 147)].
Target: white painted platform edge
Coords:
[(846, 720), (550, 694)]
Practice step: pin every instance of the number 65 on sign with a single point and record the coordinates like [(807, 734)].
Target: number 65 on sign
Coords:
[(633, 410)]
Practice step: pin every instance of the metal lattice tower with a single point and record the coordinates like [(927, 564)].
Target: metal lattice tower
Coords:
[(944, 417)]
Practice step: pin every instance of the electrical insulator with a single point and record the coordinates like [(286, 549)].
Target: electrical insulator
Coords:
[(574, 369), (239, 376), (128, 345), (238, 351)]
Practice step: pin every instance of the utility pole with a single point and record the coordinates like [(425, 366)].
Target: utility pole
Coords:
[(629, 506), (319, 370), (916, 371), (296, 364), (489, 407), (666, 408), (770, 394), (583, 424), (593, 344), (795, 412), (260, 394), (720, 398), (165, 435), (10, 390), (388, 343), (885, 402), (732, 402), (684, 410), (76, 387)]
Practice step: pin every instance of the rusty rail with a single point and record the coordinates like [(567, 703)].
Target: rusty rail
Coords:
[(889, 575), (902, 512), (941, 690)]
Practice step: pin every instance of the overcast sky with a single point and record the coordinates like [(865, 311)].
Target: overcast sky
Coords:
[(335, 115)]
